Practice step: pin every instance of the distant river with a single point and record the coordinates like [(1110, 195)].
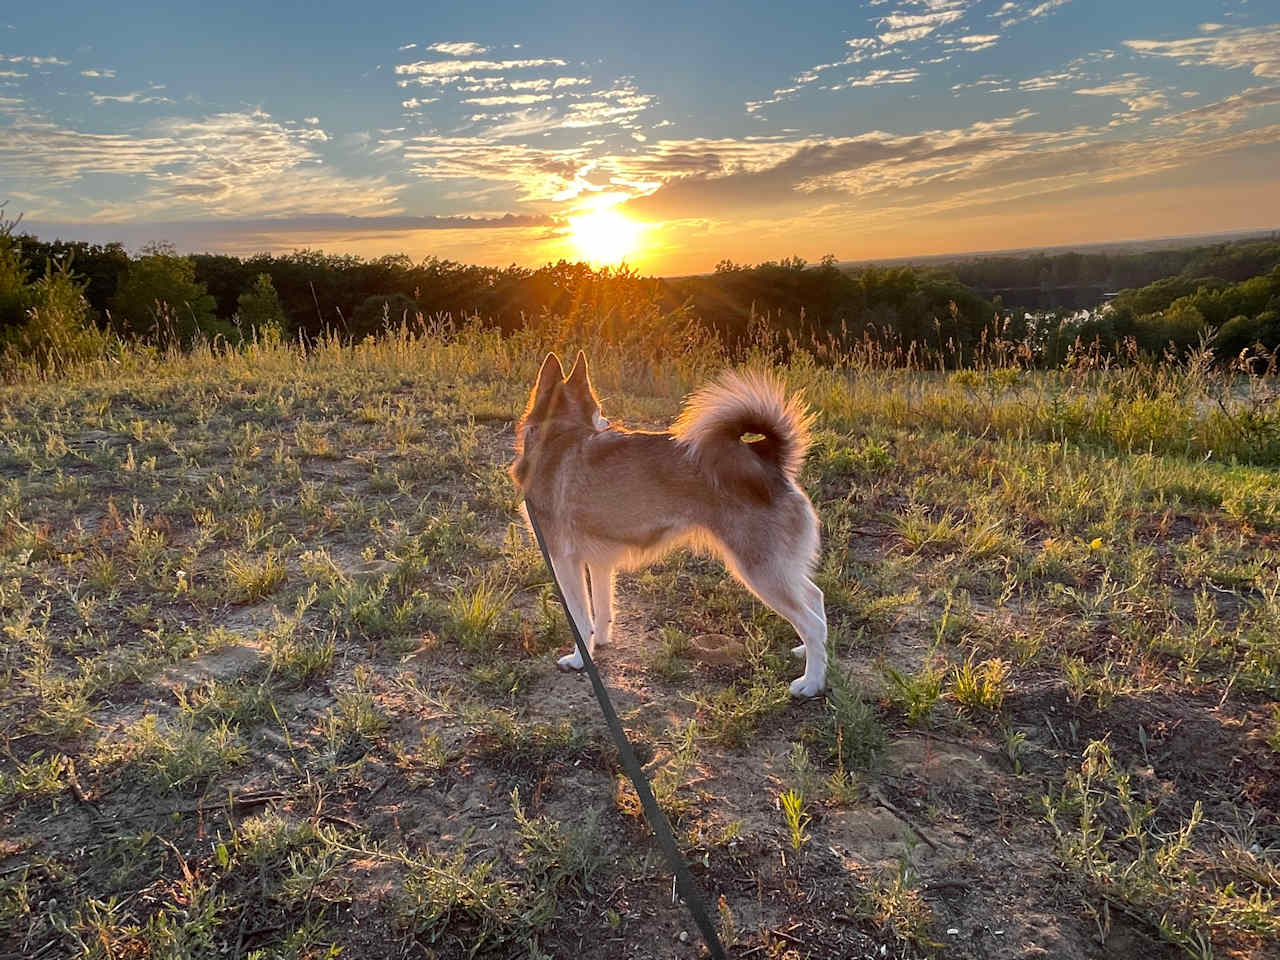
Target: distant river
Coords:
[(1074, 297)]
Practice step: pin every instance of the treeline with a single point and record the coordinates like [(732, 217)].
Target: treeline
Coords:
[(160, 295), (60, 300), (1179, 312), (1231, 261)]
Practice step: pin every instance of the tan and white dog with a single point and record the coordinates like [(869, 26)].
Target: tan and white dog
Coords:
[(606, 497)]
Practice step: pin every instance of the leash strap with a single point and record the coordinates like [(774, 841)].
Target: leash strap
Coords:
[(653, 813)]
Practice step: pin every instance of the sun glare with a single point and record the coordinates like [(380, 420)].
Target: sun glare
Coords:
[(604, 236)]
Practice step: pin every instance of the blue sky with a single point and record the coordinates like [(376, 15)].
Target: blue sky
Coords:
[(747, 131)]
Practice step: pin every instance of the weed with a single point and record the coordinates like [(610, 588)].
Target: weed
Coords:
[(357, 714), (503, 679), (898, 907), (299, 659), (849, 731), (1014, 747), (1105, 824), (670, 662), (558, 859), (37, 778), (982, 686), (240, 703), (473, 614), (180, 755), (252, 579), (731, 715), (915, 694), (791, 803)]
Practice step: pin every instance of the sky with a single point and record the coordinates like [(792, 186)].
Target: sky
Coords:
[(674, 135)]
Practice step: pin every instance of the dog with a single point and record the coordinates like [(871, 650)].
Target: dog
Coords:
[(608, 498)]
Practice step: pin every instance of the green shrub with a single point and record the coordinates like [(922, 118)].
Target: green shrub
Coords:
[(259, 312), (159, 299), (46, 324), (1240, 333)]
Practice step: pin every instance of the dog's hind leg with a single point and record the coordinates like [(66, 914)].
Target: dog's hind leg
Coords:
[(572, 574), (798, 599), (814, 603), (601, 603)]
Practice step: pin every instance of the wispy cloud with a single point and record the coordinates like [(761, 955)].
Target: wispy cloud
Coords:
[(458, 48), (904, 27), (878, 78), (1134, 90), (1226, 113), (220, 164), (1011, 14), (524, 97), (510, 99), (95, 74), (445, 71), (973, 42), (252, 235), (917, 33), (34, 61), (1254, 48), (1080, 70), (536, 173), (990, 84), (137, 96), (984, 163)]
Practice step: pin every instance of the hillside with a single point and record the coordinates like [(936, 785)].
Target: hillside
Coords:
[(279, 668)]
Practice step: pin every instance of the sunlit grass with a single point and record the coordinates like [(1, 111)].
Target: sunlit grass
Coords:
[(334, 615)]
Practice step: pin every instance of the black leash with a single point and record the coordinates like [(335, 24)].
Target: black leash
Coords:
[(653, 813)]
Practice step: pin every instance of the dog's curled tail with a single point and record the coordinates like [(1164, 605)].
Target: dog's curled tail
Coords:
[(715, 421)]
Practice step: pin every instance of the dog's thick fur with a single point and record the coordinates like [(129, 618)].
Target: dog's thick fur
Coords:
[(606, 497)]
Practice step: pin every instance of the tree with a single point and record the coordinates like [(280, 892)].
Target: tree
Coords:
[(159, 298), (259, 311), (1241, 333), (15, 293), (48, 321), (59, 327)]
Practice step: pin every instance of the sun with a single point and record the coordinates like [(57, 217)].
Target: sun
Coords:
[(604, 236)]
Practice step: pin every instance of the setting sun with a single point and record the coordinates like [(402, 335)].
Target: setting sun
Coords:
[(604, 236)]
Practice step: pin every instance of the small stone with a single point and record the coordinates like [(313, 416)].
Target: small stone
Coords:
[(684, 936), (953, 931)]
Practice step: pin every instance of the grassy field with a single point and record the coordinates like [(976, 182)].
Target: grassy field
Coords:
[(277, 674)]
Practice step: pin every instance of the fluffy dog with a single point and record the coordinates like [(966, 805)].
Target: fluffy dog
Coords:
[(606, 497)]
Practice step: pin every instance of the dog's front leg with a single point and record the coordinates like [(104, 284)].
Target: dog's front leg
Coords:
[(572, 574)]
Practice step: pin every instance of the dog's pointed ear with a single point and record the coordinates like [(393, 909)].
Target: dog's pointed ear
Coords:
[(579, 382), (550, 374)]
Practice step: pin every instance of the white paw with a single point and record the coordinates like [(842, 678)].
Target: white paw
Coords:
[(804, 688), (570, 661), (798, 651)]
